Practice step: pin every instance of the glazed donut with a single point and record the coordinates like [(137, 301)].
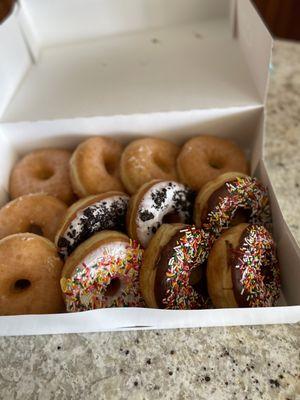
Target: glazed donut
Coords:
[(146, 159), (30, 270), (243, 269), (103, 272), (173, 272), (87, 216), (155, 203), (95, 166), (43, 171), (35, 213), (229, 200), (210, 156)]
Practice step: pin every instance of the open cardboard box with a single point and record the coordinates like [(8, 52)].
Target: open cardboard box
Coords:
[(132, 68)]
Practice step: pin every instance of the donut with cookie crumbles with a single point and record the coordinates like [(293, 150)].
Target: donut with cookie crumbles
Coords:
[(103, 272), (173, 271), (146, 159), (106, 211), (243, 269), (204, 158), (155, 203), (229, 200), (43, 171)]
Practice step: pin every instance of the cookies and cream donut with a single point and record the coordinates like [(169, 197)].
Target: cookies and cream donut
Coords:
[(204, 158), (155, 203), (173, 271), (87, 216), (103, 272), (30, 271), (95, 166), (230, 199), (35, 213), (243, 269), (146, 159), (43, 171)]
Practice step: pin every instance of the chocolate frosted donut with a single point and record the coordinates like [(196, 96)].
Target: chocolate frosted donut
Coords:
[(243, 269), (90, 215), (155, 203), (229, 200), (173, 271)]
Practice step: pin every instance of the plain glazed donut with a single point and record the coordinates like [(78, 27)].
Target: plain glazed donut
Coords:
[(173, 272), (229, 200), (87, 216), (243, 269), (103, 272), (204, 158), (30, 270), (146, 159), (36, 213), (155, 203), (43, 171), (95, 166)]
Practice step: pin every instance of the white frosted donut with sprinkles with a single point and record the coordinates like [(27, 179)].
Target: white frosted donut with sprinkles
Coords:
[(103, 272), (87, 216), (155, 203)]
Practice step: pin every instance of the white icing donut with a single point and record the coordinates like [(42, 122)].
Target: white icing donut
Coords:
[(164, 198)]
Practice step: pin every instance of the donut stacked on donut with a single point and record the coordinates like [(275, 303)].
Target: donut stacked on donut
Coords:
[(155, 225)]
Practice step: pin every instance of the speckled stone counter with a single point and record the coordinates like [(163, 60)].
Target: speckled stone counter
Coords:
[(216, 363)]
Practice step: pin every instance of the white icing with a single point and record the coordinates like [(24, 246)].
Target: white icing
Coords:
[(144, 228)]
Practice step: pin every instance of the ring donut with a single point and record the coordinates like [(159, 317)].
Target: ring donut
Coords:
[(173, 272), (211, 156), (87, 216), (30, 270), (146, 159), (155, 203), (35, 213), (243, 269), (103, 272), (43, 171), (95, 166)]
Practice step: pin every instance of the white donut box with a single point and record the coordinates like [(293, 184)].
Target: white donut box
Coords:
[(71, 69)]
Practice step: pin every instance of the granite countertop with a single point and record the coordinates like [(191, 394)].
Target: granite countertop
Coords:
[(211, 363)]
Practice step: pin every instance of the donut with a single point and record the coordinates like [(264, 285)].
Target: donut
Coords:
[(95, 166), (35, 213), (43, 171), (87, 216), (103, 272), (173, 272), (229, 200), (30, 270), (243, 269), (146, 159), (155, 203), (204, 158)]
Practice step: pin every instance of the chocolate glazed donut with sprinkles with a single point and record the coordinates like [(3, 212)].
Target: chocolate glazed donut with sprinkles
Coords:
[(173, 271), (90, 215), (243, 269), (158, 202)]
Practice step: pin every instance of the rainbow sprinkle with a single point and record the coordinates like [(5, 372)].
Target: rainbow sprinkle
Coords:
[(190, 252), (86, 289), (258, 265)]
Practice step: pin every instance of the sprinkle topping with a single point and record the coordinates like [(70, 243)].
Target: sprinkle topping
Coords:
[(88, 287), (257, 266), (189, 253)]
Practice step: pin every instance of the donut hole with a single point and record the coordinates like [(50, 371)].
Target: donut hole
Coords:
[(171, 218), (21, 284), (35, 229), (241, 215), (196, 275), (216, 164), (113, 287), (110, 166), (44, 173), (162, 164)]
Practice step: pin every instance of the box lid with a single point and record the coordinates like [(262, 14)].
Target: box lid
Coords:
[(79, 58)]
